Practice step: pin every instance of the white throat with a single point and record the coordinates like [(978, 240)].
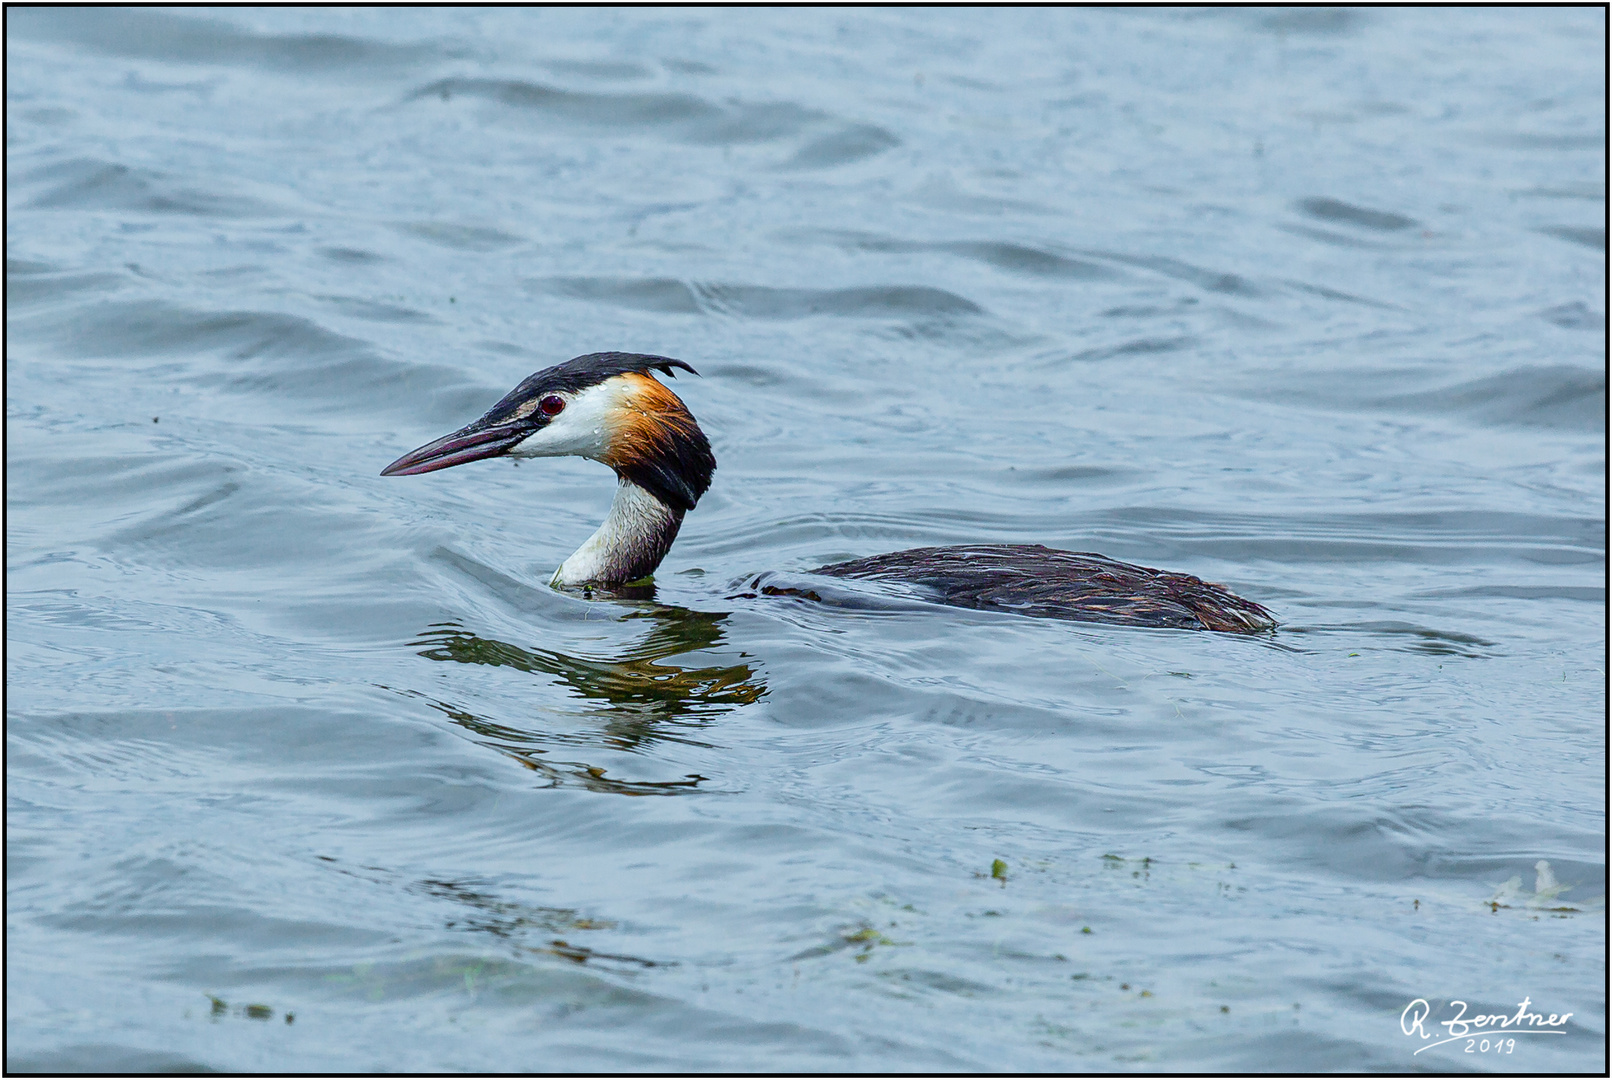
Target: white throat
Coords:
[(634, 538)]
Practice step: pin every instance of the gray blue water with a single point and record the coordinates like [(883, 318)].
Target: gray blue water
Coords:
[(308, 769)]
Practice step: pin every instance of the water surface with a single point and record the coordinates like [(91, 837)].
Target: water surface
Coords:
[(309, 770)]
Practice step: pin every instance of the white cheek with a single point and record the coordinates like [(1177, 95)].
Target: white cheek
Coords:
[(580, 430)]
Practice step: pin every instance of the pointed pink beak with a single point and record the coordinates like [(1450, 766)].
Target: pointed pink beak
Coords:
[(467, 444)]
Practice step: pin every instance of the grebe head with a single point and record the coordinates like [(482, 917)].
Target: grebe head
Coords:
[(604, 406)]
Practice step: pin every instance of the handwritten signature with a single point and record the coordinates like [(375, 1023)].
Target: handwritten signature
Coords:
[(1496, 1030)]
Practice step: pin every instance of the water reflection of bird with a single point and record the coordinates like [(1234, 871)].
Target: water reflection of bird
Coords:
[(608, 407), (638, 699), (636, 693)]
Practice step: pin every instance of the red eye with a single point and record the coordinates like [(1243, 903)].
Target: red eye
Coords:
[(552, 405)]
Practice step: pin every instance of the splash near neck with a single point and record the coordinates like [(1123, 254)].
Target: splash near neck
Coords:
[(635, 537)]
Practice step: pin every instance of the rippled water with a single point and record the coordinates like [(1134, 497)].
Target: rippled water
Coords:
[(308, 769)]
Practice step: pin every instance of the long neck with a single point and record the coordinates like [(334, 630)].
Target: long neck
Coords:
[(628, 546)]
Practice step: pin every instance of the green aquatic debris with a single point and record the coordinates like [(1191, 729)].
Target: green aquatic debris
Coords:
[(1510, 893), (1085, 929), (867, 937), (999, 870), (581, 954), (870, 937), (220, 1008), (868, 934)]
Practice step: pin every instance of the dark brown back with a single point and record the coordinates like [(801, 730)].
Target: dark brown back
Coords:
[(1030, 579)]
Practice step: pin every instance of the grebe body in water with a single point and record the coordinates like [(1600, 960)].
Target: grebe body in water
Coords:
[(608, 407)]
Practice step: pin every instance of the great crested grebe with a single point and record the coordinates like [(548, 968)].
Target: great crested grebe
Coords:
[(606, 406)]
